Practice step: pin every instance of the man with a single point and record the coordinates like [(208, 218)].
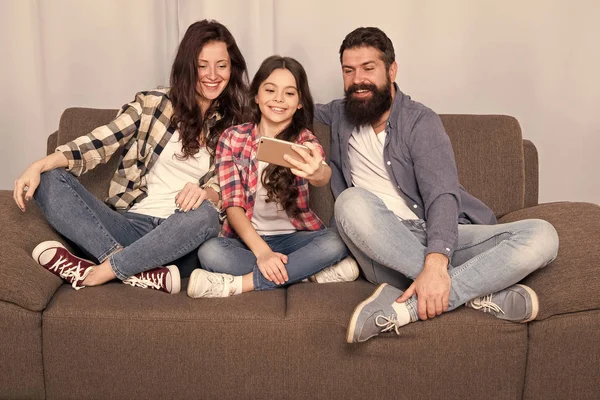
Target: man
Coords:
[(404, 216)]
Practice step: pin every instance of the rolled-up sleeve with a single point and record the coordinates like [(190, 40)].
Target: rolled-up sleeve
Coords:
[(232, 190), (86, 152)]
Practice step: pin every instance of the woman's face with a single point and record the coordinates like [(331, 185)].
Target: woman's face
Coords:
[(214, 70)]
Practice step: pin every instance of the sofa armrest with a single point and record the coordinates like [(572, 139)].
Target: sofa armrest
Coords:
[(572, 282), (24, 282)]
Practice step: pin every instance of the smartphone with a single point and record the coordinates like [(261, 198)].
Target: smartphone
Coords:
[(272, 150)]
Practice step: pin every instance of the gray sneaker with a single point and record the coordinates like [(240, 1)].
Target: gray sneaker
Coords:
[(376, 315), (517, 303)]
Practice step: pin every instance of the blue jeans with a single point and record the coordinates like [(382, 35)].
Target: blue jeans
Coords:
[(488, 258), (146, 242), (308, 253)]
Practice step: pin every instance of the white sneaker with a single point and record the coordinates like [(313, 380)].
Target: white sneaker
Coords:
[(344, 271), (210, 284)]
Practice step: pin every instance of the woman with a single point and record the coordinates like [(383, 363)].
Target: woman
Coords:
[(162, 198), (271, 237)]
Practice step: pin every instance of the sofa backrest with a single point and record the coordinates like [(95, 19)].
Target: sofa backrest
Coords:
[(488, 151)]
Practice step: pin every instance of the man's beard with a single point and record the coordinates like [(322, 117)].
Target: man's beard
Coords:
[(368, 111)]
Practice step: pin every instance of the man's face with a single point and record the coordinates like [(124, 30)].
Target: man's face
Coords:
[(367, 84)]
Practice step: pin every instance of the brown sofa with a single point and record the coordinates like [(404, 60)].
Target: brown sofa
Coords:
[(118, 342)]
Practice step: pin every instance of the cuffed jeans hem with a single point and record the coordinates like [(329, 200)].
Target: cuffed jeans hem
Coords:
[(116, 247), (256, 279), (115, 269)]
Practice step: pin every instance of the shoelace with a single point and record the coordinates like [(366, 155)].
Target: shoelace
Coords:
[(218, 285), (389, 323), (146, 281), (331, 274), (486, 303), (67, 270)]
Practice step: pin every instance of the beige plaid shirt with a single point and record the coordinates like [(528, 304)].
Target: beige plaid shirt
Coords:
[(142, 128)]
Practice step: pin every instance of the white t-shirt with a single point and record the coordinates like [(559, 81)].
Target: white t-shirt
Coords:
[(268, 218), (168, 176), (369, 172)]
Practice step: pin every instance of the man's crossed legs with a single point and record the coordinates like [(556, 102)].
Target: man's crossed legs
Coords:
[(485, 267)]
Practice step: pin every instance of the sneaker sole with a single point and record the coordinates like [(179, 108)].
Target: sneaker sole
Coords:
[(535, 304), (358, 309), (192, 283), (40, 248), (355, 270), (175, 278)]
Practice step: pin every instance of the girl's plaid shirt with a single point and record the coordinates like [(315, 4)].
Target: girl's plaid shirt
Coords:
[(237, 168), (143, 128)]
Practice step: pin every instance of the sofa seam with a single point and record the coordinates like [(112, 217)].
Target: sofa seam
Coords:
[(564, 315)]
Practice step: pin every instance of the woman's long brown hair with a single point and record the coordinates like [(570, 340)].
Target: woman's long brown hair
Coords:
[(231, 103)]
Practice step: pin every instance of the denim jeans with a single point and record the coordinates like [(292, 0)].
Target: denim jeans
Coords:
[(488, 258), (308, 253), (146, 242)]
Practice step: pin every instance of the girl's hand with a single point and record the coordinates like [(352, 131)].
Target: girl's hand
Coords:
[(272, 266), (312, 168), (26, 185), (190, 197)]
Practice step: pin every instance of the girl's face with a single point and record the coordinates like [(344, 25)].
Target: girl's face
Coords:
[(214, 70), (278, 97)]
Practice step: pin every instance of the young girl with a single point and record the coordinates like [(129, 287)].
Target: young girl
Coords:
[(159, 205), (271, 237)]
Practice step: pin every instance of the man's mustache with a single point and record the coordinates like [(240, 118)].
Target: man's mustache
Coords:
[(361, 86)]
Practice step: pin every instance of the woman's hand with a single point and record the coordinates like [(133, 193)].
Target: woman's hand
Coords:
[(26, 185), (191, 196), (272, 266), (313, 168)]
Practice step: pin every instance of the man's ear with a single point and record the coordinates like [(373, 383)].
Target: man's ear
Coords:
[(393, 71)]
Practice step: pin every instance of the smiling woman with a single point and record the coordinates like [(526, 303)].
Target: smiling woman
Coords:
[(159, 207)]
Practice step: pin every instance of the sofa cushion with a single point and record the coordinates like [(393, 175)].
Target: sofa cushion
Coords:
[(489, 158), (564, 357), (572, 282), (464, 354), (149, 344), (23, 281), (21, 372)]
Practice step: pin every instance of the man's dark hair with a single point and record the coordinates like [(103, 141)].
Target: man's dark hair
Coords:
[(373, 37)]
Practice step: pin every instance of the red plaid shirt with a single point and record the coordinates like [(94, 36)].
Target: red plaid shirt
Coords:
[(237, 168)]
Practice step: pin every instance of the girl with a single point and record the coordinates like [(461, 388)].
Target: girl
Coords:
[(162, 198), (271, 237)]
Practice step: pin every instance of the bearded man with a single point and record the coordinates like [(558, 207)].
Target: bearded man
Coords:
[(429, 245)]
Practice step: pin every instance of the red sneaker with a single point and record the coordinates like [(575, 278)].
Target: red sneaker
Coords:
[(57, 259), (166, 279)]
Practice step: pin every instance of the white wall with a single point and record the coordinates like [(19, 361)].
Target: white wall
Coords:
[(536, 60)]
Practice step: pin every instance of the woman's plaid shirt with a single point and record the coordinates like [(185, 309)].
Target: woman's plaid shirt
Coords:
[(237, 168), (143, 128)]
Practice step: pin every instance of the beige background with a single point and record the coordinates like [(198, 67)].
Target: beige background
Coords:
[(536, 60)]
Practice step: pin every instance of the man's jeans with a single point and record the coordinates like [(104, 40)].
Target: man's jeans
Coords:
[(488, 258), (308, 253), (146, 242)]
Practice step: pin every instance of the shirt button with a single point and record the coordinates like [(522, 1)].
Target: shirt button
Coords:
[(414, 206), (389, 163), (447, 249)]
